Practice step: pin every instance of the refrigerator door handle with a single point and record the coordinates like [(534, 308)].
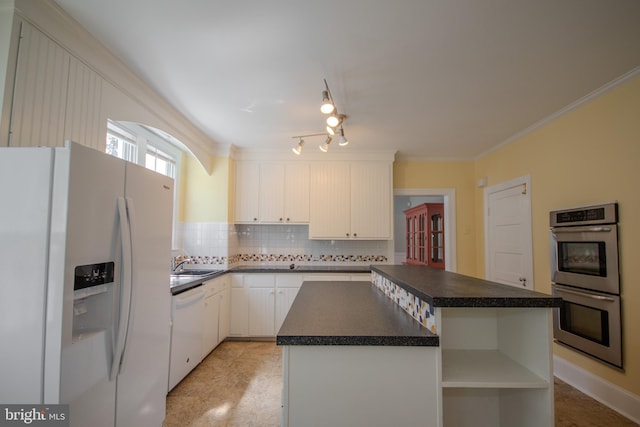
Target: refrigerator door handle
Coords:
[(124, 305)]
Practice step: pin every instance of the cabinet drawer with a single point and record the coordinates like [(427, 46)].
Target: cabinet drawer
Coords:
[(214, 286)]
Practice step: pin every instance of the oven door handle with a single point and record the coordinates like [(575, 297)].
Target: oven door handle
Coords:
[(581, 229), (582, 294)]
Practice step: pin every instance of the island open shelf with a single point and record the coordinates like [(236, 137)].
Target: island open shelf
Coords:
[(496, 364)]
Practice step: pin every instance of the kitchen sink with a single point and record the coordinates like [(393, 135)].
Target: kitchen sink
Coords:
[(192, 273)]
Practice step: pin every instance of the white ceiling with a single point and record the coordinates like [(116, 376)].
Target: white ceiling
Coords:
[(430, 78)]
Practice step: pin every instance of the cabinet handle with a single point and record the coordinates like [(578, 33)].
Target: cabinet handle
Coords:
[(347, 234), (255, 219), (288, 219), (355, 234), (280, 219)]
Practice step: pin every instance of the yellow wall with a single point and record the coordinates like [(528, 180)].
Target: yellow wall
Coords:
[(589, 155), (205, 198), (456, 175)]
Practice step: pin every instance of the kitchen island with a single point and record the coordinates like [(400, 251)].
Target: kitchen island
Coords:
[(481, 356)]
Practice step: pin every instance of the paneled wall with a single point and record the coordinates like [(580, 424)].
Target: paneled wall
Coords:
[(58, 82), (40, 94)]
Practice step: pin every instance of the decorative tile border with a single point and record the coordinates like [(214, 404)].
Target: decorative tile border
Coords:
[(221, 260), (202, 260), (420, 310)]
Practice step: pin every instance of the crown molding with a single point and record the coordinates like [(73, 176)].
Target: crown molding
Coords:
[(568, 108)]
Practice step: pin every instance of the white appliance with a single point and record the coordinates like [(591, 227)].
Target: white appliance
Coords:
[(85, 245)]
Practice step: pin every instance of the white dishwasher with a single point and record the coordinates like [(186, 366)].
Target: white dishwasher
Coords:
[(187, 314)]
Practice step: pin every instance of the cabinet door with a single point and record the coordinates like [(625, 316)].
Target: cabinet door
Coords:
[(210, 326), (436, 235), (225, 313), (371, 200), (272, 192), (284, 300), (247, 202), (239, 319), (261, 312), (296, 193), (329, 215)]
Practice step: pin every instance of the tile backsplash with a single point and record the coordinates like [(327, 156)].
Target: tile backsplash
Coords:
[(228, 244)]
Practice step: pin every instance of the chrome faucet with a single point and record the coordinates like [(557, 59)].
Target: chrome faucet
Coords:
[(174, 266)]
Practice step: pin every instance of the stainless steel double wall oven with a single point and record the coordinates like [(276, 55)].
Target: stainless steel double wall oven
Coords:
[(585, 274)]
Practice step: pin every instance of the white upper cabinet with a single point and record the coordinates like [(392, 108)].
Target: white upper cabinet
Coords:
[(272, 192), (351, 200), (371, 200), (247, 200), (296, 193), (330, 215)]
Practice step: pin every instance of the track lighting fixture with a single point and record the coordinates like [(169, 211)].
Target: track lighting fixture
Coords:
[(334, 120), (298, 149)]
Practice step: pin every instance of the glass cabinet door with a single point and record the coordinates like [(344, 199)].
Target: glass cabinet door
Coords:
[(425, 234)]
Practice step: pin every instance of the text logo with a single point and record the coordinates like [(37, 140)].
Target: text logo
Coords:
[(34, 415)]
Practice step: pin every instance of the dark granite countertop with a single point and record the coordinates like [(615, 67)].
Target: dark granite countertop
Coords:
[(349, 313), (300, 269), (445, 289), (182, 284)]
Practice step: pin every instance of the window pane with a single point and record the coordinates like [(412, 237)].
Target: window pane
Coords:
[(160, 161), (121, 148)]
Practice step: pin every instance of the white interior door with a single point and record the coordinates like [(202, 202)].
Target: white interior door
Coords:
[(508, 242)]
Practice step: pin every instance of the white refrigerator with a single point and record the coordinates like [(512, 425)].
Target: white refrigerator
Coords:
[(85, 249)]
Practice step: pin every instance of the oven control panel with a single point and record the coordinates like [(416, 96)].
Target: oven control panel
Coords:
[(601, 214)]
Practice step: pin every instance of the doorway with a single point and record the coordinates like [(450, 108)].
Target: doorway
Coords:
[(508, 241), (401, 200)]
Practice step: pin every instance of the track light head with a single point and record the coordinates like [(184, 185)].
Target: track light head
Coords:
[(325, 147), (298, 149), (327, 106), (342, 140)]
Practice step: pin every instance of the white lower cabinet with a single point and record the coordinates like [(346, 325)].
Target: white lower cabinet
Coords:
[(287, 287), (261, 299), (211, 323), (260, 302), (225, 310), (239, 319), (216, 313), (261, 312)]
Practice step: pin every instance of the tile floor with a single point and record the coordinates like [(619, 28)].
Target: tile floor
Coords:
[(239, 384)]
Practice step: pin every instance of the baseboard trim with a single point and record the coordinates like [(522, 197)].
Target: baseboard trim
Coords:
[(611, 395)]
